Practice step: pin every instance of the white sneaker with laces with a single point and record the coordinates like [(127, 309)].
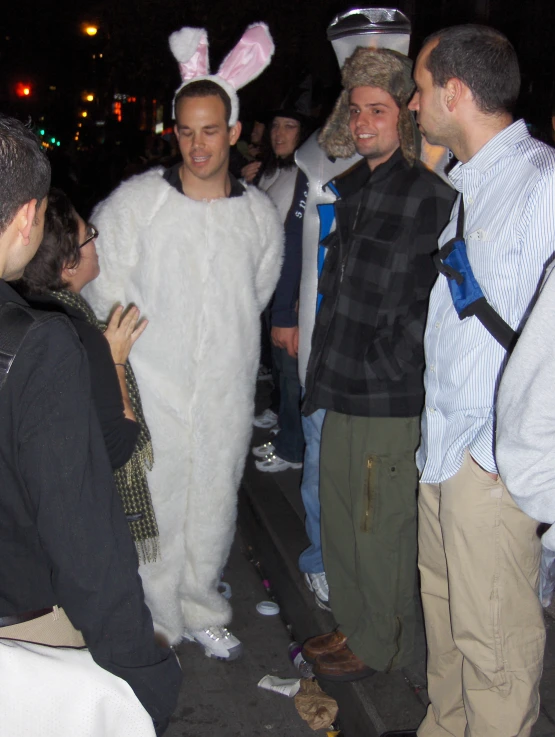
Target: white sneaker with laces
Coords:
[(261, 451), (266, 419), (272, 463), (318, 584), (218, 642)]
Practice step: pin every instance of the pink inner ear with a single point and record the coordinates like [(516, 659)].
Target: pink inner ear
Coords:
[(248, 58), (197, 66)]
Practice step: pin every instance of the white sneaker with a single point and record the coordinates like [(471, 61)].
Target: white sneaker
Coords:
[(318, 584), (261, 451), (266, 420), (218, 642), (272, 463)]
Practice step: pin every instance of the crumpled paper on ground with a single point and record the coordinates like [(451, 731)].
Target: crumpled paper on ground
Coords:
[(285, 686), (314, 706)]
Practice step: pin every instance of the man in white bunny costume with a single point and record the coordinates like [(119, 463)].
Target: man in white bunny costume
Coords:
[(200, 255)]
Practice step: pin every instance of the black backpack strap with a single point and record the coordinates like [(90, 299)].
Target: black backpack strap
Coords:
[(15, 323), (460, 220), (493, 323)]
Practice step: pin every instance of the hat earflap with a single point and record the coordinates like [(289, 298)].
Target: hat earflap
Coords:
[(335, 137), (407, 134)]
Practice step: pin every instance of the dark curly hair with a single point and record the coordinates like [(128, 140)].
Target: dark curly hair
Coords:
[(59, 247)]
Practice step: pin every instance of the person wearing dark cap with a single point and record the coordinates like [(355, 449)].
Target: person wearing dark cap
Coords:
[(366, 365), (281, 179)]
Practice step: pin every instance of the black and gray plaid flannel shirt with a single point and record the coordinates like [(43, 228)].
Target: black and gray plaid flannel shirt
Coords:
[(367, 356)]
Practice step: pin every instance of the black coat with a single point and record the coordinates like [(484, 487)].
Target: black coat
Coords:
[(120, 434), (64, 539)]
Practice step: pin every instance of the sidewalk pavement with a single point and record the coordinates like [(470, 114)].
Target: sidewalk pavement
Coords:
[(271, 518), (221, 699)]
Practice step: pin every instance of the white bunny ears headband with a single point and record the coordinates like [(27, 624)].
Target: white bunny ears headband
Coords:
[(246, 62)]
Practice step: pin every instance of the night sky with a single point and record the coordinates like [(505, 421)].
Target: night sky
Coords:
[(48, 50)]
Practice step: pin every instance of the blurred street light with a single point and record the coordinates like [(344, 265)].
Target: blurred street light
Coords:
[(90, 29), (22, 89), (89, 98)]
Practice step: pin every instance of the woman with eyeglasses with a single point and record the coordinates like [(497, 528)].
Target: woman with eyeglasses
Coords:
[(65, 262)]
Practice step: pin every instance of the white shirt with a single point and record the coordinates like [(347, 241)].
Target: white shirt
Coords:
[(509, 198)]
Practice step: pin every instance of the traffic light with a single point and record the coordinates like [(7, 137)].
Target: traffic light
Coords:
[(48, 140), (23, 89)]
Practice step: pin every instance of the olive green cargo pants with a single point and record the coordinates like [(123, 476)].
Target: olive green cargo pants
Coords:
[(368, 485)]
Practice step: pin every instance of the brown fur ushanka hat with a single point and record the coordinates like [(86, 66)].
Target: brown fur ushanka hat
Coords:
[(384, 68)]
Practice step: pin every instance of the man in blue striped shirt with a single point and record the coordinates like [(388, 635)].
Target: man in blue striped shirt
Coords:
[(478, 553)]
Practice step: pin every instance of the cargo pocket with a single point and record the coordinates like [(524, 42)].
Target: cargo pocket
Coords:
[(392, 476)]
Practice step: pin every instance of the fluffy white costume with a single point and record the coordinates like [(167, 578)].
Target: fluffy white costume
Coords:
[(201, 272)]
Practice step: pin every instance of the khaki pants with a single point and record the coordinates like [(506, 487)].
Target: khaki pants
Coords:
[(479, 560), (368, 483), (51, 629)]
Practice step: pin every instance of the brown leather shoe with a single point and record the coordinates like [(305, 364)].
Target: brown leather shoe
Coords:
[(341, 665), (328, 643)]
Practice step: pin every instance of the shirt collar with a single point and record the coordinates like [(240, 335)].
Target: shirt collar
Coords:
[(493, 151), (357, 177), (237, 189), (172, 177)]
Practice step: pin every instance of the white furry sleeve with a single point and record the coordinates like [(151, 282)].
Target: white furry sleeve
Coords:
[(121, 219), (271, 246)]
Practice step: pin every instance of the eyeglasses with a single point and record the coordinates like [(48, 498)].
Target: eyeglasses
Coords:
[(92, 233)]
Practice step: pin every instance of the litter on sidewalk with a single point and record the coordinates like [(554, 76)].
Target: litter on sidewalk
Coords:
[(314, 706), (224, 589), (267, 608), (286, 686)]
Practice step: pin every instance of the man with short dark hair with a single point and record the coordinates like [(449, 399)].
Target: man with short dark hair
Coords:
[(201, 254), (64, 539), (366, 364), (478, 553)]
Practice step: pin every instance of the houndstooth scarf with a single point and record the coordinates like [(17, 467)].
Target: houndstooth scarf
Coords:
[(131, 481)]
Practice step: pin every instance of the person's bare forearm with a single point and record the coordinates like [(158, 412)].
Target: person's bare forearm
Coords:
[(127, 408)]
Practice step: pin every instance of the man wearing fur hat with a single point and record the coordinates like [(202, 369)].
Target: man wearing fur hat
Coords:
[(201, 255), (366, 367)]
